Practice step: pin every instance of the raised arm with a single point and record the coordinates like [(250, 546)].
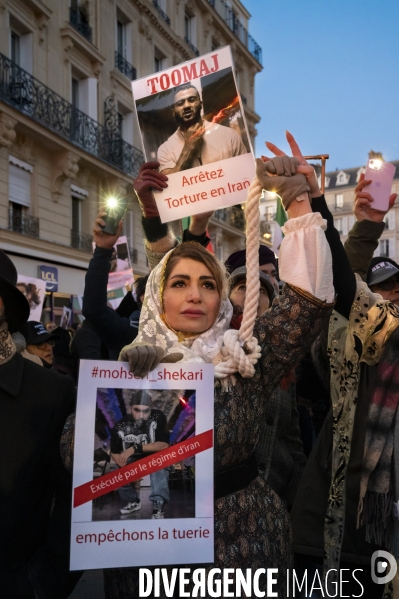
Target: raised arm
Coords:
[(364, 236), (159, 237), (114, 330), (343, 278)]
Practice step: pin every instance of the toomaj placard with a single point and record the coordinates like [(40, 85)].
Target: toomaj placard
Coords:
[(143, 466), (192, 121)]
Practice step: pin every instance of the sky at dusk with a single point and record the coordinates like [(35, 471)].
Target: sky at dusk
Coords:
[(330, 76)]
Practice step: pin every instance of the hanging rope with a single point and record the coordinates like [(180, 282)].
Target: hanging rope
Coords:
[(235, 358)]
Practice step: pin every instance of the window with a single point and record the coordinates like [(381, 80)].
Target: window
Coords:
[(125, 123), (269, 215), (158, 60), (75, 92), (338, 225), (190, 29), (342, 178), (15, 48), (215, 44), (84, 95), (76, 214), (121, 38), (19, 196), (79, 239), (345, 225), (21, 45), (384, 248), (390, 220), (19, 183), (339, 200)]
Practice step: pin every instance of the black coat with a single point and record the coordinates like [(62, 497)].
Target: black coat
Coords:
[(34, 404)]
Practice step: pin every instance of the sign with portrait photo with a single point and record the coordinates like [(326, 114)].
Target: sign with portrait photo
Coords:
[(192, 122), (35, 292), (143, 466)]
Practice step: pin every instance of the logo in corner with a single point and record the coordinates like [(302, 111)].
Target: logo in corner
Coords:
[(380, 573)]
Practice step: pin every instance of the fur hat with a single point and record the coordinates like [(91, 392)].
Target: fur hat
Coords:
[(16, 306)]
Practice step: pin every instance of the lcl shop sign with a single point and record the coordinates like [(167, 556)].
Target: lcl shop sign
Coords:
[(50, 275)]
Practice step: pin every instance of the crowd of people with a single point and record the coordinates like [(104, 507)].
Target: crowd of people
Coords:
[(306, 453)]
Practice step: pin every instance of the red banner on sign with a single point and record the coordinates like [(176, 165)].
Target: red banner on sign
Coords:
[(136, 470)]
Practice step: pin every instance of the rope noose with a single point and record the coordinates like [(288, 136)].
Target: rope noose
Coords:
[(236, 358)]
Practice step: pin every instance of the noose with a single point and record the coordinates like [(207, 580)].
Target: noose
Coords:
[(241, 350), (252, 264)]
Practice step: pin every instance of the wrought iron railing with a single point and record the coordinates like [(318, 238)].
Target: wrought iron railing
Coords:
[(81, 241), (237, 28), (125, 67), (28, 95), (78, 20), (191, 46), (161, 13), (233, 216), (23, 223)]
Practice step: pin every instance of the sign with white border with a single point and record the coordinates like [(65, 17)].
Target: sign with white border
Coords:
[(220, 169), (137, 539)]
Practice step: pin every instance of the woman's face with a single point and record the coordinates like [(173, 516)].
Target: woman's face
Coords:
[(191, 299)]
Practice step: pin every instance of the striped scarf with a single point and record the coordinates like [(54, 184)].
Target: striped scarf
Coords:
[(377, 484)]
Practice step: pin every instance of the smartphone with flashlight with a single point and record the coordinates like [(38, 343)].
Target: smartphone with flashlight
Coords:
[(381, 175), (115, 209)]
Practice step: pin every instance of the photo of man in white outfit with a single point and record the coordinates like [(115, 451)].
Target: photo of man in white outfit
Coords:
[(196, 141)]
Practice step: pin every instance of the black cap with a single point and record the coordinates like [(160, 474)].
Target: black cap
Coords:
[(241, 273), (35, 333), (16, 306), (381, 269)]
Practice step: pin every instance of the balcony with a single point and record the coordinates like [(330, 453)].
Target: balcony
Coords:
[(23, 223), (191, 46), (161, 13), (233, 216), (79, 19), (237, 28), (125, 67), (82, 241), (28, 95)]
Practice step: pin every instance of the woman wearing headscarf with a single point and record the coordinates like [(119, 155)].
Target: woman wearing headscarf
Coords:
[(186, 314)]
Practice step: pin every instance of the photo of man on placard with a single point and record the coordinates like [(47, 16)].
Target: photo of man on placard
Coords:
[(196, 141), (134, 424), (194, 124)]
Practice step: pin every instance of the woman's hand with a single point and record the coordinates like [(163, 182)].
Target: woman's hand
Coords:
[(149, 178), (101, 239), (363, 207), (303, 166), (144, 358)]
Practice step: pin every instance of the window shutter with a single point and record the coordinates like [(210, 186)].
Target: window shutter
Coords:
[(19, 185)]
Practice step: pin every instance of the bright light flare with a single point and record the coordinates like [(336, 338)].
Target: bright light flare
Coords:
[(111, 202), (375, 164)]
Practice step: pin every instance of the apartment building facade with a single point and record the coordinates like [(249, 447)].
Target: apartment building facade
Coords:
[(68, 133)]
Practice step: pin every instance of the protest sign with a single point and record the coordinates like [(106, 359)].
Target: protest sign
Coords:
[(192, 121), (66, 318), (120, 278), (35, 291), (171, 409)]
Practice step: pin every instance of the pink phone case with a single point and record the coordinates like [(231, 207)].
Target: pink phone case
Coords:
[(381, 184)]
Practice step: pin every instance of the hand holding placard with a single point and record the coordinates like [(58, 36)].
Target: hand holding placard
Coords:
[(149, 178)]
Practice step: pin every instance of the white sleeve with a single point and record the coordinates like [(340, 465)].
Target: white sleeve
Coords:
[(305, 259)]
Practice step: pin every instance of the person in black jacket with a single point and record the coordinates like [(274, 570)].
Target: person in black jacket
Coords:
[(34, 404), (114, 330)]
